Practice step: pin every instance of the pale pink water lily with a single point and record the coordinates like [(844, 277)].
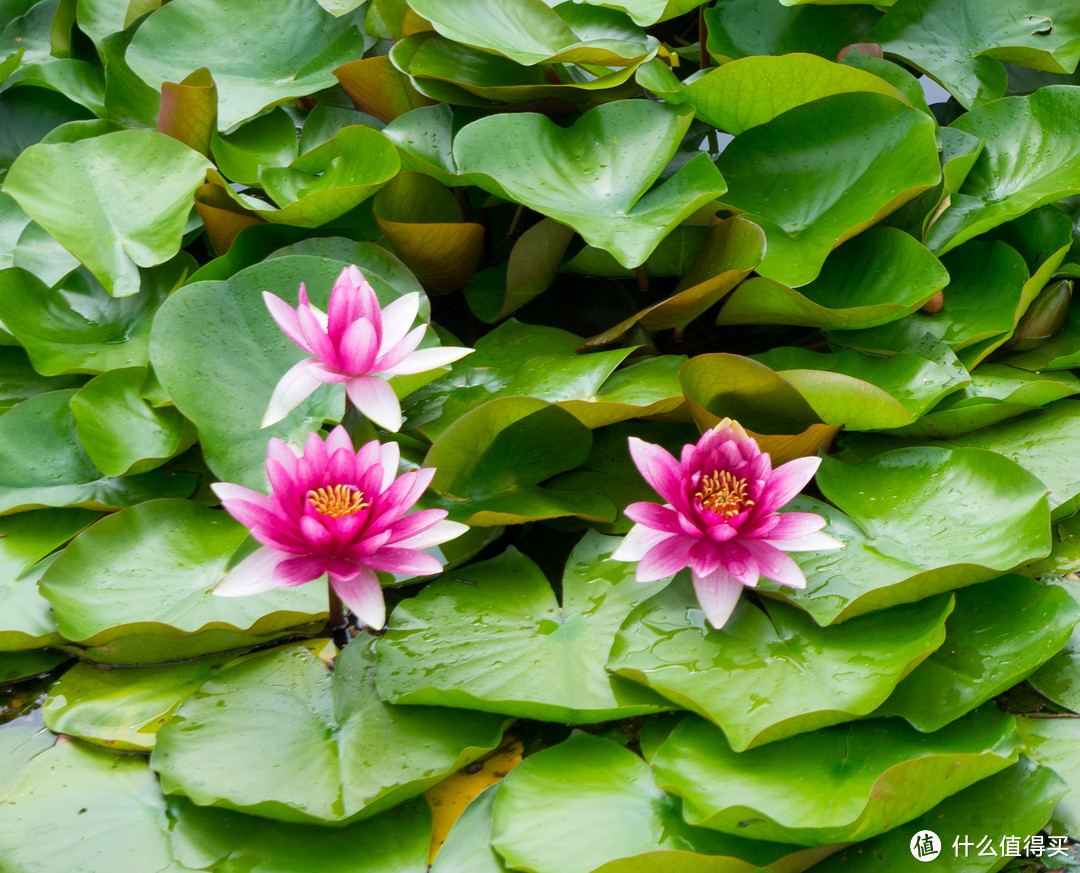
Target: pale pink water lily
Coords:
[(335, 511), (721, 518), (356, 342)]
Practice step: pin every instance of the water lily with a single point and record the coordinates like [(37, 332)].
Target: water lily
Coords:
[(356, 342), (721, 518), (335, 511)]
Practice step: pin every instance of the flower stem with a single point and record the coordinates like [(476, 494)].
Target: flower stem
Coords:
[(339, 627)]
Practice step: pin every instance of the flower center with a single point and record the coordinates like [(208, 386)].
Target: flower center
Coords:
[(721, 492), (337, 501)]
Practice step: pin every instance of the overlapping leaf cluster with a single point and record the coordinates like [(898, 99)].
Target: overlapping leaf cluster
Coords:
[(845, 225)]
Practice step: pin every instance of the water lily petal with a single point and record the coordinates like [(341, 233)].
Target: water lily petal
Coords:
[(352, 297), (428, 359), (784, 525), (717, 594), (397, 318), (375, 399), (259, 572), (659, 469), (363, 595), (439, 533), (402, 350), (325, 374), (358, 348), (775, 564), (662, 518), (413, 524), (390, 459), (815, 542), (406, 561), (637, 543), (740, 562), (287, 320), (786, 482), (666, 558), (317, 340), (296, 386)]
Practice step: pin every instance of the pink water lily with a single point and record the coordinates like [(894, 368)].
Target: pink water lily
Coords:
[(335, 511), (721, 518), (355, 342)]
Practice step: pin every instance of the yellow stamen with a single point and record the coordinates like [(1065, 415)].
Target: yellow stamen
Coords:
[(337, 501), (721, 492)]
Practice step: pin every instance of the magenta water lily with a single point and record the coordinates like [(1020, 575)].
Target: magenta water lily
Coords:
[(356, 342), (336, 511), (721, 518)]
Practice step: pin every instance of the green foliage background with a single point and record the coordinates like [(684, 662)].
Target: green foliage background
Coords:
[(851, 227)]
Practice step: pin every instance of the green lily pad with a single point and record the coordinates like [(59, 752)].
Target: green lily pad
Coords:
[(503, 643), (491, 463), (76, 327), (982, 304), (961, 43), (731, 250), (25, 664), (467, 848), (997, 392), (100, 19), (94, 811), (1060, 352), (880, 152), (531, 32), (117, 202), (43, 465), (1038, 443), (219, 355), (890, 774), (593, 175), (1000, 632), (743, 28), (1064, 557), (395, 841), (27, 538), (135, 588), (771, 672), (122, 709), (918, 521), (1053, 742), (1043, 238), (266, 141), (739, 388), (446, 70), (27, 114), (609, 815), (610, 470), (229, 743), (254, 66), (121, 430), (22, 739), (77, 80), (751, 91), (877, 277), (520, 360), (963, 822), (19, 381), (532, 266), (999, 188), (326, 182), (24, 243), (97, 811), (861, 391), (128, 99)]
